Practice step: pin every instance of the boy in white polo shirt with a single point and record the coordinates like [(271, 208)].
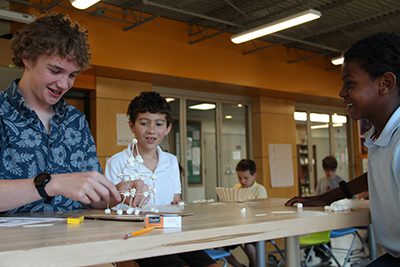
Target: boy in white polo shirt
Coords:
[(150, 121)]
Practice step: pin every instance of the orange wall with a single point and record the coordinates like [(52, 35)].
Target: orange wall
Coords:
[(112, 97), (5, 54), (161, 47), (273, 123)]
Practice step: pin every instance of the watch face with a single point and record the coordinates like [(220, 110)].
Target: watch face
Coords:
[(42, 179)]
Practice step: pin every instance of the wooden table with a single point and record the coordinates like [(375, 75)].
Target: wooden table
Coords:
[(212, 225)]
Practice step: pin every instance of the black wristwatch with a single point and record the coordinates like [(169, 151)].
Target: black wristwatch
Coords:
[(40, 182)]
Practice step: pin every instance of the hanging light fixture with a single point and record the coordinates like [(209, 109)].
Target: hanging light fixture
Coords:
[(276, 26), (83, 4)]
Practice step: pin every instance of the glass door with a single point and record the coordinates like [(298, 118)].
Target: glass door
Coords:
[(340, 148), (201, 157), (320, 145), (215, 136), (233, 140), (320, 134)]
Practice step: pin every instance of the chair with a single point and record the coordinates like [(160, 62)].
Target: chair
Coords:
[(315, 241), (218, 254), (351, 250), (272, 259)]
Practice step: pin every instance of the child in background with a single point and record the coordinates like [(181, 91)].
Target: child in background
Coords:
[(150, 122), (247, 173), (325, 184), (331, 179)]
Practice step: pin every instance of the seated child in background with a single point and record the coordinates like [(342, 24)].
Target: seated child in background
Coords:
[(329, 182), (150, 122), (331, 179), (247, 173)]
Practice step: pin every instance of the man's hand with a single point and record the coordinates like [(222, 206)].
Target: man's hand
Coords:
[(85, 187)]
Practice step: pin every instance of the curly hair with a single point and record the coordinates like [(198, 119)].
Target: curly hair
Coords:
[(52, 35), (151, 102), (246, 165), (377, 54)]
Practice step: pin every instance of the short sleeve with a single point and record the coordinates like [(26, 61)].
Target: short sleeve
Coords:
[(112, 169), (176, 176), (318, 190), (262, 193), (2, 135), (91, 156)]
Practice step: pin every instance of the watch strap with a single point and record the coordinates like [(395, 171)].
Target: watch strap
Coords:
[(40, 187)]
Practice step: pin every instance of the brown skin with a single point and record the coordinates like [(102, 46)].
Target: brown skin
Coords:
[(363, 97), (357, 185)]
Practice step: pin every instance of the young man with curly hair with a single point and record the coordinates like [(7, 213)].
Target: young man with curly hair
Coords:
[(48, 159)]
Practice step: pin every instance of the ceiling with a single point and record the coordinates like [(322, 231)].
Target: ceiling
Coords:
[(342, 21)]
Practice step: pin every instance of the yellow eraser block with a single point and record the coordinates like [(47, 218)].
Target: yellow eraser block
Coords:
[(74, 220)]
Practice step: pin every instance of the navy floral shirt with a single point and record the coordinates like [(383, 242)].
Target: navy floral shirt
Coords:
[(27, 149)]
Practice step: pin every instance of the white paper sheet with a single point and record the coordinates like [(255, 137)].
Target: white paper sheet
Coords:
[(124, 133), (281, 165), (19, 221)]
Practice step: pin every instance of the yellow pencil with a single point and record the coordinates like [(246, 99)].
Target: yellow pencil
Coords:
[(139, 232)]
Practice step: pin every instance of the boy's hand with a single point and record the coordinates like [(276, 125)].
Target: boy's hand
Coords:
[(139, 199), (177, 199), (313, 201)]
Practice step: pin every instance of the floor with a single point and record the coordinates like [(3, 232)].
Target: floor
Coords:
[(339, 245)]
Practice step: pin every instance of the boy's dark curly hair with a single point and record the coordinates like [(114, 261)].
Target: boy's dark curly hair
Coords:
[(246, 165), (51, 35), (151, 102), (377, 54)]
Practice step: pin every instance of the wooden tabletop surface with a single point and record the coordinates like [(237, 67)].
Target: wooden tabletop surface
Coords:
[(210, 225)]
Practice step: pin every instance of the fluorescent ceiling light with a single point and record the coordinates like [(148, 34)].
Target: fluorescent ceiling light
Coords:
[(276, 26), (83, 4), (169, 99), (203, 106), (16, 16), (337, 60)]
